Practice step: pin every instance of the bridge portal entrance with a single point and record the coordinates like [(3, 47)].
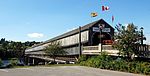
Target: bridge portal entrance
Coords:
[(104, 37)]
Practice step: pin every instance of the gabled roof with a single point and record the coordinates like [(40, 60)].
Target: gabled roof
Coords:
[(85, 27)]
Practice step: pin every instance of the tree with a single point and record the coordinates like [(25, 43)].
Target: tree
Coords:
[(127, 40), (12, 49), (3, 47), (1, 62), (54, 49)]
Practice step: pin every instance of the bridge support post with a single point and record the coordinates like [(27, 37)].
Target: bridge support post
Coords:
[(28, 61), (33, 61), (46, 62)]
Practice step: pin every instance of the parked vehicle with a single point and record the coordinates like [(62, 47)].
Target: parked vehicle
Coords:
[(6, 64)]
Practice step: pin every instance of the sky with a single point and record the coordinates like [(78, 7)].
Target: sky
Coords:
[(40, 20)]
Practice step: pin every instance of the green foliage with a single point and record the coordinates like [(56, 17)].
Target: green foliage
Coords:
[(54, 49), (14, 61), (82, 58), (127, 40), (106, 62), (97, 61), (0, 62), (11, 49)]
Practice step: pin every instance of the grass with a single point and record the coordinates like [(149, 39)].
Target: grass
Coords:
[(48, 65), (51, 65), (22, 66)]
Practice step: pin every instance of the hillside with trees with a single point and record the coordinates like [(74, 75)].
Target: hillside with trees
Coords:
[(13, 49)]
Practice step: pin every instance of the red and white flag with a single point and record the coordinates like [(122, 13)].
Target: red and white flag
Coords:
[(105, 8)]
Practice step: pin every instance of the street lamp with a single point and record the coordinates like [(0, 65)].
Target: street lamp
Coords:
[(141, 35)]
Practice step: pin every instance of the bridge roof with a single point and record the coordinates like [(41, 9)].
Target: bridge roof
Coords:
[(85, 27)]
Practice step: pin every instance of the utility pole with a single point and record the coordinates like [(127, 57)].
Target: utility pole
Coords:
[(141, 35), (80, 50)]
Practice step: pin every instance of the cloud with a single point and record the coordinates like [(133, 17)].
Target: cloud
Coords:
[(147, 40), (35, 35), (71, 29)]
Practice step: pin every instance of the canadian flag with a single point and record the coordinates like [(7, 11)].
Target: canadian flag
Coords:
[(105, 8)]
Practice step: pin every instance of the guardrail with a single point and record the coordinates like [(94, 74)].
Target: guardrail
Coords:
[(90, 48), (96, 50)]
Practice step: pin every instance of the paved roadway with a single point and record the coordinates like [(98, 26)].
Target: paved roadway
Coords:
[(61, 71)]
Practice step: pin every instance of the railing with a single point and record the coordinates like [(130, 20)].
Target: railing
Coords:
[(108, 47), (90, 48), (96, 49)]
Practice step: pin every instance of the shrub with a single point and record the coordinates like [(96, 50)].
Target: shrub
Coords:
[(14, 61), (82, 58), (104, 61), (1, 62), (96, 61)]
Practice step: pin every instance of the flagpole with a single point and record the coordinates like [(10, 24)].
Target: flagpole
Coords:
[(112, 23), (112, 20)]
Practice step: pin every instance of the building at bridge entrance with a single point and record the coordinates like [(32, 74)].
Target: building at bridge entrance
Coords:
[(88, 39)]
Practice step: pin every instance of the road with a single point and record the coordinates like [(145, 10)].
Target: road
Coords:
[(62, 71)]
